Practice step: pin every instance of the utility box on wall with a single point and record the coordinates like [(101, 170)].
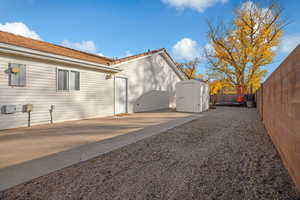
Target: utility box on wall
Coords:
[(192, 96), (8, 109), (28, 108)]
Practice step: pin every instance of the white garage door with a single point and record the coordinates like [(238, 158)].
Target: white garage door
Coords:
[(120, 95)]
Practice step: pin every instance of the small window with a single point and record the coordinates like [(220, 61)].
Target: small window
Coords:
[(17, 75), (74, 80), (68, 80), (62, 79)]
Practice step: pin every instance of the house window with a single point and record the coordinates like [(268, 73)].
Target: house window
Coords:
[(74, 80), (68, 80), (62, 80), (17, 75)]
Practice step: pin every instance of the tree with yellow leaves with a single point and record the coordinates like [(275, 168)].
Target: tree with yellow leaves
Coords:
[(190, 69), (217, 85), (240, 51)]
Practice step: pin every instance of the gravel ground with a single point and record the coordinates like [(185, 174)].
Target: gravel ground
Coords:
[(224, 155)]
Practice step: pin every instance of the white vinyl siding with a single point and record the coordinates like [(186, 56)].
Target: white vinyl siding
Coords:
[(95, 98), (151, 83)]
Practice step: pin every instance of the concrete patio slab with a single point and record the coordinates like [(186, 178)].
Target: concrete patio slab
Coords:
[(28, 153)]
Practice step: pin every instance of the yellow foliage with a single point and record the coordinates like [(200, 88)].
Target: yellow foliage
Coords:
[(189, 72), (200, 76), (190, 69), (218, 85), (215, 87), (240, 52)]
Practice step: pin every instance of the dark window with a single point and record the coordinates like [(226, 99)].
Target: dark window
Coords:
[(62, 79), (17, 75), (74, 80)]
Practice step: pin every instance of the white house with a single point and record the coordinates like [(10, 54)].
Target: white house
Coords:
[(62, 84)]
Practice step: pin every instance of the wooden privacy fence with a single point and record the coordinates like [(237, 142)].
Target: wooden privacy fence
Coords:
[(226, 99), (278, 104)]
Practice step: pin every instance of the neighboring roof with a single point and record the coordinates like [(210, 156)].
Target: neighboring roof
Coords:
[(17, 40)]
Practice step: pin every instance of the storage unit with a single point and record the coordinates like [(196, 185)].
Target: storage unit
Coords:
[(192, 96)]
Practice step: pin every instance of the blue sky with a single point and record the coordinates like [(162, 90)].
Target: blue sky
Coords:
[(117, 28)]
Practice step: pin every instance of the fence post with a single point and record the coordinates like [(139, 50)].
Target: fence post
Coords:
[(262, 102)]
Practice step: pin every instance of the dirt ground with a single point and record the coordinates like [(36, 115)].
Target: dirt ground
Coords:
[(225, 155)]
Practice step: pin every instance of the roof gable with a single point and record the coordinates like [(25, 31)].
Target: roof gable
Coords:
[(171, 63)]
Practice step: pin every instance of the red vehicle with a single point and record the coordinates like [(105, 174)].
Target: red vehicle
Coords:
[(240, 99)]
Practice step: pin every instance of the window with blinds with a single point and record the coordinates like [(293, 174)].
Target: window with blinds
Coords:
[(68, 80), (62, 80), (17, 75), (74, 80)]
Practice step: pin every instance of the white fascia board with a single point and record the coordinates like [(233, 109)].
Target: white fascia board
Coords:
[(12, 49)]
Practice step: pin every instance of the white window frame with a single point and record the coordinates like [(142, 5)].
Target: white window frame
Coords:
[(68, 81)]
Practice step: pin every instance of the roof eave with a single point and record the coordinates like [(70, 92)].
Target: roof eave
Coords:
[(16, 50), (135, 59)]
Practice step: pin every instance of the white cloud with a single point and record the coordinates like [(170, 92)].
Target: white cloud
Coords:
[(289, 43), (199, 5), (209, 48), (128, 53), (251, 7), (19, 28), (87, 46), (186, 49)]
